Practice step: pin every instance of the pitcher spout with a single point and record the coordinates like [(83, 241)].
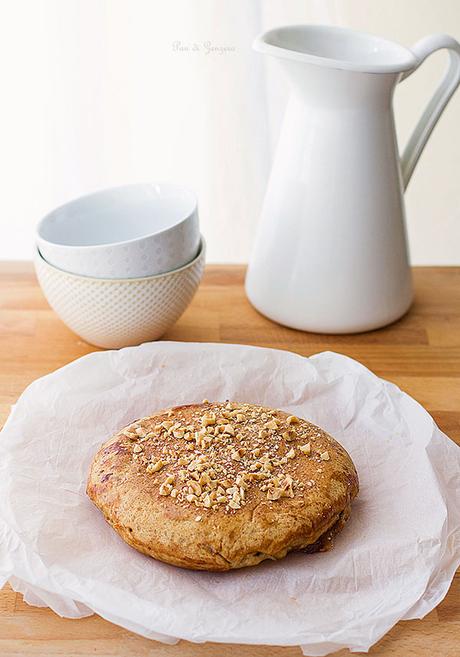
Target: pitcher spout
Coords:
[(336, 67), (337, 48)]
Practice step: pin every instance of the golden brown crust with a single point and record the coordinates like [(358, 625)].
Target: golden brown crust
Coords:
[(317, 486)]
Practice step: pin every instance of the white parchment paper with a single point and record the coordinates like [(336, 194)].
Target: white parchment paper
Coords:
[(394, 560)]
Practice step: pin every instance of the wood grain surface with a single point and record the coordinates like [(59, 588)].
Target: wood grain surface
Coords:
[(420, 353)]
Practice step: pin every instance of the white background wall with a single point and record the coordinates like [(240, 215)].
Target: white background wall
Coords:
[(94, 93)]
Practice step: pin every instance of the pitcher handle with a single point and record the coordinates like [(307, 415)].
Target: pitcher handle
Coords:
[(422, 49)]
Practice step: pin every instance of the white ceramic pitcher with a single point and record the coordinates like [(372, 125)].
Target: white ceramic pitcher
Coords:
[(331, 251)]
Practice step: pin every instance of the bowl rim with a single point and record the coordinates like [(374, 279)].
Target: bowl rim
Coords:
[(200, 254), (133, 240)]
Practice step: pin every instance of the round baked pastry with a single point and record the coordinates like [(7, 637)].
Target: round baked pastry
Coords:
[(216, 486)]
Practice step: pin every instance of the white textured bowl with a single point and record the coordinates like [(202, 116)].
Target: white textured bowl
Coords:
[(125, 232), (117, 313)]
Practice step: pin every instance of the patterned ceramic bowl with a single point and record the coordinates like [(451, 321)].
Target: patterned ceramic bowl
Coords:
[(125, 232), (117, 313)]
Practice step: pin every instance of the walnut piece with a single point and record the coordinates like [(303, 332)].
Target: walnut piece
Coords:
[(156, 467)]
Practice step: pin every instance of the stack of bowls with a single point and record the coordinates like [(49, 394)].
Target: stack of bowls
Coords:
[(120, 266)]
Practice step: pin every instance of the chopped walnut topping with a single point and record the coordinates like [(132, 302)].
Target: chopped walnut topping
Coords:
[(204, 479), (194, 487), (165, 489), (156, 467), (208, 420), (274, 494), (220, 457), (175, 427)]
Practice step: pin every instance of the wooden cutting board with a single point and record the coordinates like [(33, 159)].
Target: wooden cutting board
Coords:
[(420, 353)]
